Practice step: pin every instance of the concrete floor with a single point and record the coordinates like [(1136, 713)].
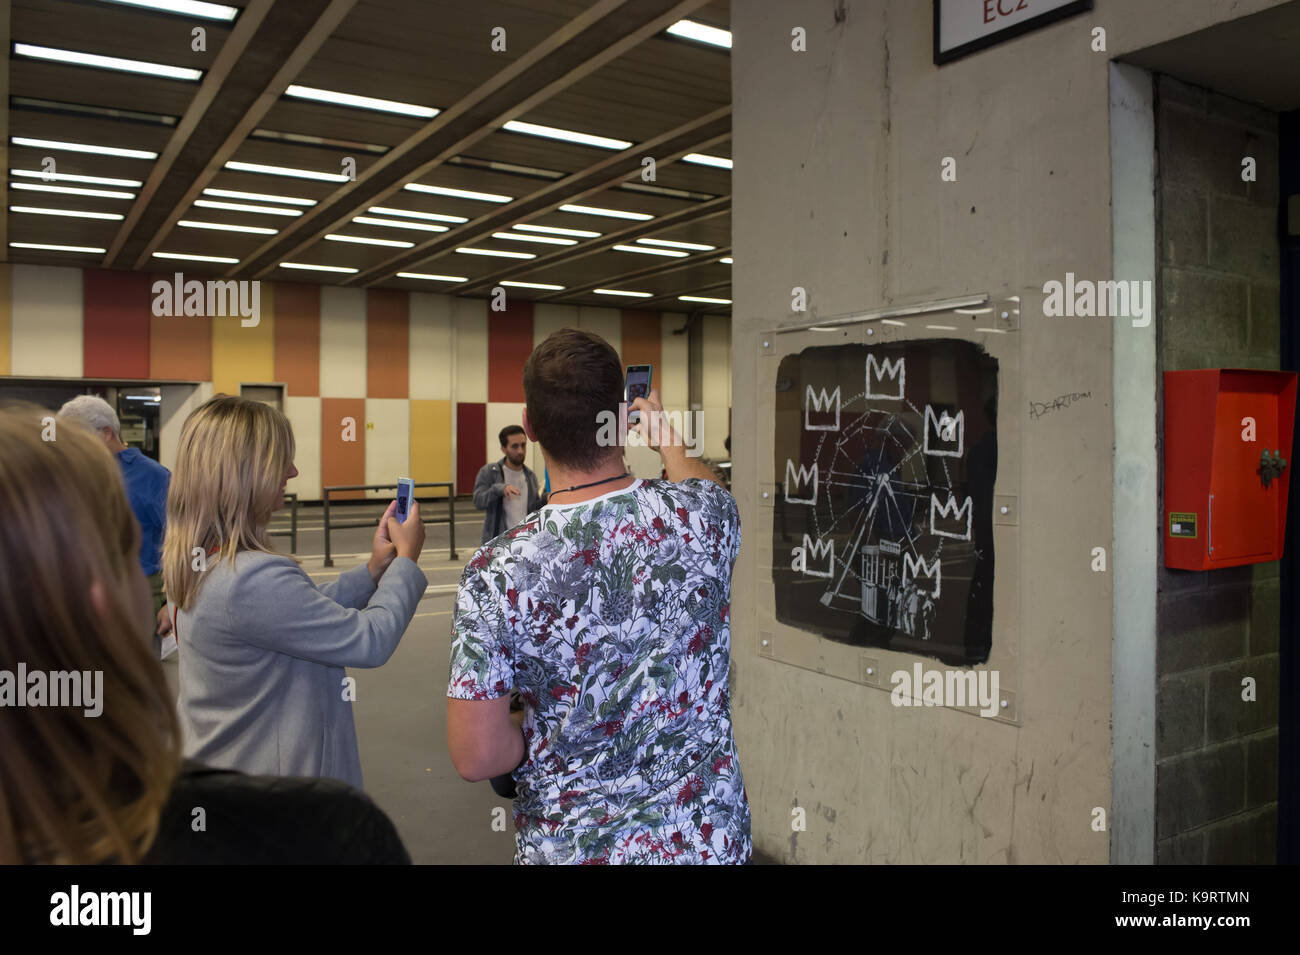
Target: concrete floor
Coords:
[(400, 709)]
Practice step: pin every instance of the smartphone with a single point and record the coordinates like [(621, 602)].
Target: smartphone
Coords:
[(405, 491), (638, 386)]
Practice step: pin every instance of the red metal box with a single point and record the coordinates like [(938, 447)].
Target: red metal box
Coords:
[(1227, 466)]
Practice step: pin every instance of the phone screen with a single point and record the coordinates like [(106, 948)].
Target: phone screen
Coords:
[(638, 386), (405, 488)]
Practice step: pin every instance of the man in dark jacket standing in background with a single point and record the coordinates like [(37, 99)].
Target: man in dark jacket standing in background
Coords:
[(506, 489)]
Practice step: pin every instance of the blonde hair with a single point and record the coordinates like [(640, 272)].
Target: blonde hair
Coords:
[(230, 464), (74, 788)]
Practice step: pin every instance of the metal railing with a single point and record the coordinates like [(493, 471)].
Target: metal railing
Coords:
[(291, 501), (450, 499)]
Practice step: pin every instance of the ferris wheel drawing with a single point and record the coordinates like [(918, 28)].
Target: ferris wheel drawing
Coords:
[(878, 492)]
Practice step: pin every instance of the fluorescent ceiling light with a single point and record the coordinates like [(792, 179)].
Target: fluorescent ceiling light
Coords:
[(943, 328), (421, 226), (257, 197), (71, 214), (431, 216), (701, 298), (540, 285), (240, 207), (430, 277), (106, 62), (544, 240), (972, 311), (893, 321), (223, 227), (992, 331), (611, 213), (361, 102), (73, 191), (457, 193), (143, 397), (55, 248), (691, 30), (614, 291), (673, 253), (194, 258), (360, 240), (83, 148), (726, 261), (503, 255), (68, 177), (679, 245), (580, 233), (702, 160), (315, 268), (286, 171), (568, 136), (193, 8)]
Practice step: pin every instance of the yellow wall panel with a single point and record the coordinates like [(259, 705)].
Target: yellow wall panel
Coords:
[(431, 440), (242, 354)]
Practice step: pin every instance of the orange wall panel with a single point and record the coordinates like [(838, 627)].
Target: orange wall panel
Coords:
[(388, 342), (297, 338), (642, 339), (180, 347), (343, 461)]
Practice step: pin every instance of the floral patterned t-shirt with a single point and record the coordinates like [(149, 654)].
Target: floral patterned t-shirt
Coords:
[(611, 617)]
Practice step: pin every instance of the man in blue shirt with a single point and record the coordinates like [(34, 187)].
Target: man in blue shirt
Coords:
[(146, 488)]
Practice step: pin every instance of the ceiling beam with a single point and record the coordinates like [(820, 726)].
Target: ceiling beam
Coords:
[(711, 209), (268, 47), (697, 134), (591, 40)]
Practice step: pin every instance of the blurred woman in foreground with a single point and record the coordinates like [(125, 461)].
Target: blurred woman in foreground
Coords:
[(90, 767)]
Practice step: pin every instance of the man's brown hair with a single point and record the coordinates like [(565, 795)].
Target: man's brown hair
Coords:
[(569, 379)]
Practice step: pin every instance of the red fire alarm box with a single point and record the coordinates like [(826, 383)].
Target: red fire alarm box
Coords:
[(1227, 466)]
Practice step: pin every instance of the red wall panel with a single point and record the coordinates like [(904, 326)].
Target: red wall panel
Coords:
[(116, 314), (510, 342), (471, 444)]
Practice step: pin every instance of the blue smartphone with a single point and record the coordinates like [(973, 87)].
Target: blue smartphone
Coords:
[(638, 386), (405, 491)]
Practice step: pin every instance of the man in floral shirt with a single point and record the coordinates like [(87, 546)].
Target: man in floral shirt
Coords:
[(608, 610)]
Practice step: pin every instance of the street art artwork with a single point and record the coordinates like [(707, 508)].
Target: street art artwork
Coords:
[(885, 461)]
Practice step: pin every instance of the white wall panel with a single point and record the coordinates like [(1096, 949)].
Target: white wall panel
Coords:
[(342, 342), (430, 346), (47, 321)]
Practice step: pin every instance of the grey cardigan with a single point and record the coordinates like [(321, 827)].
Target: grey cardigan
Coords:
[(262, 652)]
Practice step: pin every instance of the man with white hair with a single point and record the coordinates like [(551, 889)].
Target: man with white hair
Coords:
[(146, 488)]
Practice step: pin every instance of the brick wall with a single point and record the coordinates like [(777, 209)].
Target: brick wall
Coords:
[(1218, 306)]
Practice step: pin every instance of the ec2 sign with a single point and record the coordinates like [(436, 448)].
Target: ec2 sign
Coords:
[(964, 26)]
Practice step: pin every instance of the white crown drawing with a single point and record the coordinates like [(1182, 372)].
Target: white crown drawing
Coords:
[(944, 436), (915, 568), (822, 403), (818, 549), (956, 530), (885, 378), (805, 478)]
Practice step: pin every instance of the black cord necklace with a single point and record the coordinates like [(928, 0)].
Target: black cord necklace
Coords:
[(580, 487)]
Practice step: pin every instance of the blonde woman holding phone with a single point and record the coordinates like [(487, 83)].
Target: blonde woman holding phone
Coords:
[(262, 648)]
